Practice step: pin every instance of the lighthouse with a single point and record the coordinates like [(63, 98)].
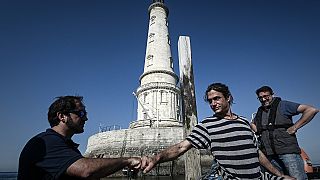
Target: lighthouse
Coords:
[(158, 124), (158, 94)]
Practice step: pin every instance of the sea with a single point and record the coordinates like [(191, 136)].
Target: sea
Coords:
[(8, 176)]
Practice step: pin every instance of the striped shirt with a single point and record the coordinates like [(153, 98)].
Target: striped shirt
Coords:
[(233, 145)]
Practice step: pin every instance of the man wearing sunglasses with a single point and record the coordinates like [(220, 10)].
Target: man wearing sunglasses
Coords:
[(53, 155), (273, 124)]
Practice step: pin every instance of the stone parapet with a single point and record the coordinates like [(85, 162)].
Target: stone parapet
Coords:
[(140, 142), (142, 138), (154, 123)]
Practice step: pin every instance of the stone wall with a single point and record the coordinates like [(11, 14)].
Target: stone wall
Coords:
[(139, 142), (126, 141)]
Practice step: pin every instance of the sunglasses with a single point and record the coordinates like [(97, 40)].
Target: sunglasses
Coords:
[(80, 113), (264, 97)]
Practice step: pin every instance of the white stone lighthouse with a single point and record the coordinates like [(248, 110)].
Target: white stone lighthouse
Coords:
[(158, 124), (158, 95)]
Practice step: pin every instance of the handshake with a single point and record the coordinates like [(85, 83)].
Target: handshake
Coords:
[(144, 163)]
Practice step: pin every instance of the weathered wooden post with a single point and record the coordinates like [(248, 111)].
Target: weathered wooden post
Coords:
[(189, 109)]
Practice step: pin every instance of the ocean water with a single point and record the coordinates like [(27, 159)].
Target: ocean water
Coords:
[(8, 176)]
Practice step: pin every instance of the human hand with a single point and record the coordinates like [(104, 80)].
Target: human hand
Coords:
[(134, 163), (291, 130), (148, 163)]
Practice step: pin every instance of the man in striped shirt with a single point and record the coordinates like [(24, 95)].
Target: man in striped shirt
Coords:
[(229, 138)]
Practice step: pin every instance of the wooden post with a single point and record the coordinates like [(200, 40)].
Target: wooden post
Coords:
[(189, 109)]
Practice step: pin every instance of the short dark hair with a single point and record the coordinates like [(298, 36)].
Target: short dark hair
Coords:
[(63, 104), (220, 88), (264, 89)]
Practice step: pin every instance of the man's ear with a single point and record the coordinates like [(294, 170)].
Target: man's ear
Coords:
[(62, 117)]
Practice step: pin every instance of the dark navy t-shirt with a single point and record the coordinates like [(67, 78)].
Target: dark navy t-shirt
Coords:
[(47, 156)]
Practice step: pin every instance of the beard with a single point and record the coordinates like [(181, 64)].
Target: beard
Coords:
[(75, 127)]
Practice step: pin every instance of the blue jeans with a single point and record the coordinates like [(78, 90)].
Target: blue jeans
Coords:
[(290, 164), (214, 172)]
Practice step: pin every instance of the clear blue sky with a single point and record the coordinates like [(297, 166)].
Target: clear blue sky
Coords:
[(96, 48)]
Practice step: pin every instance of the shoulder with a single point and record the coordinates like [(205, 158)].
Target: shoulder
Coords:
[(288, 107), (51, 137), (34, 149), (37, 140), (43, 141), (288, 103), (209, 119), (211, 122), (243, 120)]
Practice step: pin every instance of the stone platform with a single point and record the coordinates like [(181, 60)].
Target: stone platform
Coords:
[(139, 142)]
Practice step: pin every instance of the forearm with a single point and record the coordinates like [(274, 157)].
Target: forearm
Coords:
[(307, 115), (173, 152), (96, 168), (168, 154), (267, 164), (253, 127)]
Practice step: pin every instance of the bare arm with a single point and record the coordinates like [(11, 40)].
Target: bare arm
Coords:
[(174, 151), (308, 112), (253, 127), (267, 164), (168, 154), (95, 168)]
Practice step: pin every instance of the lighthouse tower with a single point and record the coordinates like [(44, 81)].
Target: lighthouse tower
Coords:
[(158, 123), (158, 95)]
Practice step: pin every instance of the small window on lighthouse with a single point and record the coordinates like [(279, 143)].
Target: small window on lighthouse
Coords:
[(151, 37), (144, 100), (149, 60), (152, 18), (163, 96), (171, 62)]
